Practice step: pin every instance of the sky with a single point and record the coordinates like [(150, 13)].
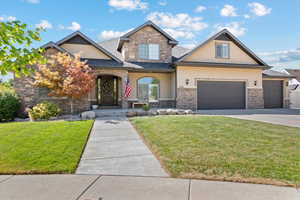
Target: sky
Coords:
[(270, 28)]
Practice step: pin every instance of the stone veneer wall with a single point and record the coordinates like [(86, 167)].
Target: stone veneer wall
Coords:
[(186, 98), (255, 98), (147, 35), (31, 95)]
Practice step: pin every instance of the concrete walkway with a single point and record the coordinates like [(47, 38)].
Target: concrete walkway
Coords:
[(94, 187), (286, 117), (115, 148)]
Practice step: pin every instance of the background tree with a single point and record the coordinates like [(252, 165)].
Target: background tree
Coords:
[(65, 76), (15, 51)]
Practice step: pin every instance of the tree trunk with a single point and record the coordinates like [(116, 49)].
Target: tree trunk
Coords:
[(72, 109)]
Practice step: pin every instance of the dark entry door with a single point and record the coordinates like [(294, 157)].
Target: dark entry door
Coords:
[(221, 95), (107, 91), (273, 93)]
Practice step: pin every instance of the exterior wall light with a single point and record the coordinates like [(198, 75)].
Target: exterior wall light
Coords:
[(255, 83), (187, 81)]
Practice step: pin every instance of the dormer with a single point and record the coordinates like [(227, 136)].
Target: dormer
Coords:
[(147, 43)]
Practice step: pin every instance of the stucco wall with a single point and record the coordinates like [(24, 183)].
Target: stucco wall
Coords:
[(207, 53), (147, 35), (211, 73), (165, 82), (85, 51)]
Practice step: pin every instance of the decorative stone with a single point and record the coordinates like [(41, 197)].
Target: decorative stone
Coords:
[(162, 112), (188, 112), (131, 114), (88, 115), (181, 112)]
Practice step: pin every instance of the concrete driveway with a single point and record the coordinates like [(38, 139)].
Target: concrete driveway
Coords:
[(287, 117)]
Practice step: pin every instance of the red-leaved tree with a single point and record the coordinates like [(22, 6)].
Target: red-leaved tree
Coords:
[(65, 76)]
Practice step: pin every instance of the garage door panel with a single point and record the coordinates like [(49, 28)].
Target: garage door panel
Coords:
[(221, 95), (273, 93)]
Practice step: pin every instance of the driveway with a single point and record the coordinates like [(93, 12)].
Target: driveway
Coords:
[(115, 148), (287, 117), (95, 187)]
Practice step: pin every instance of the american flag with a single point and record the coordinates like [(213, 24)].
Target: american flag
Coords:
[(127, 89)]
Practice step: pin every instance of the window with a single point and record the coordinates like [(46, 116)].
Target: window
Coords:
[(222, 50), (149, 51), (148, 89)]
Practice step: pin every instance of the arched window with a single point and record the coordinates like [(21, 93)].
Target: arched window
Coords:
[(148, 89)]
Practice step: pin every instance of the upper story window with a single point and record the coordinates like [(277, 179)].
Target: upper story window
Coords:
[(149, 51), (222, 50)]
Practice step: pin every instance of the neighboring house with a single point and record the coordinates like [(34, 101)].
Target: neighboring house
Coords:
[(221, 73), (295, 88)]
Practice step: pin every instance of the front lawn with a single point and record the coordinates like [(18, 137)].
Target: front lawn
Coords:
[(42, 147), (221, 148)]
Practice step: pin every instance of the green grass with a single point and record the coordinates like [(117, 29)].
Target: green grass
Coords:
[(42, 147), (220, 148)]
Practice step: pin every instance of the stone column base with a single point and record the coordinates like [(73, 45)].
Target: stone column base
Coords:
[(186, 98), (255, 98)]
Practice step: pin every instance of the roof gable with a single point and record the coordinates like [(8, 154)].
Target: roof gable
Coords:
[(225, 35), (79, 38), (55, 46), (125, 37)]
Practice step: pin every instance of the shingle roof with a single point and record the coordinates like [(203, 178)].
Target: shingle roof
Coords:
[(276, 74), (295, 72)]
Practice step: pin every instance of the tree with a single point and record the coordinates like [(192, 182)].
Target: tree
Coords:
[(65, 76), (15, 51)]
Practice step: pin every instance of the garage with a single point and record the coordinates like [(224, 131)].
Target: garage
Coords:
[(273, 93), (221, 95)]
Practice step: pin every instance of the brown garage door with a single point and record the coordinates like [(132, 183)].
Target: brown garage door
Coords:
[(220, 95), (273, 93)]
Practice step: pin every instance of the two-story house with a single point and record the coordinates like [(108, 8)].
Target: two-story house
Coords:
[(220, 73)]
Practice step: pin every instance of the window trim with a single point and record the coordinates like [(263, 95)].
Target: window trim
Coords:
[(148, 45), (216, 53), (137, 89)]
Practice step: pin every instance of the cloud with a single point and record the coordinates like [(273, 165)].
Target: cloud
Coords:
[(246, 16), (234, 27), (44, 24), (33, 1), (182, 21), (259, 9), (75, 26), (109, 34), (228, 11), (283, 56), (179, 34), (8, 18), (200, 9), (162, 3), (128, 4)]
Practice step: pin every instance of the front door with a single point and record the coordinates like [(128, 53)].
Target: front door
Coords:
[(107, 87)]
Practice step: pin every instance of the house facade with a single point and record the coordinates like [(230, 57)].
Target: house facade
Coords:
[(220, 73)]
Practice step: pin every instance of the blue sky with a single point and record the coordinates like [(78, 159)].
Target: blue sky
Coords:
[(268, 27)]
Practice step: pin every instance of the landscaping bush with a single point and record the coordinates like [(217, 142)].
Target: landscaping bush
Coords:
[(146, 107), (9, 105), (44, 111)]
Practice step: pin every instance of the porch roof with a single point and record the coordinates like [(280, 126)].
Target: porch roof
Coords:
[(130, 66)]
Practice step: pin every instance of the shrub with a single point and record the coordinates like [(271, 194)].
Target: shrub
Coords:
[(146, 107), (44, 111), (9, 105)]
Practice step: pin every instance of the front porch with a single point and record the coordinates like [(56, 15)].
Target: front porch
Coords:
[(154, 88)]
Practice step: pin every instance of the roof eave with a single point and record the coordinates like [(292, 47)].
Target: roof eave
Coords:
[(231, 65)]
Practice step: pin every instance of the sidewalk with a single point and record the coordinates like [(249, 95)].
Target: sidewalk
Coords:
[(93, 187), (115, 148)]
